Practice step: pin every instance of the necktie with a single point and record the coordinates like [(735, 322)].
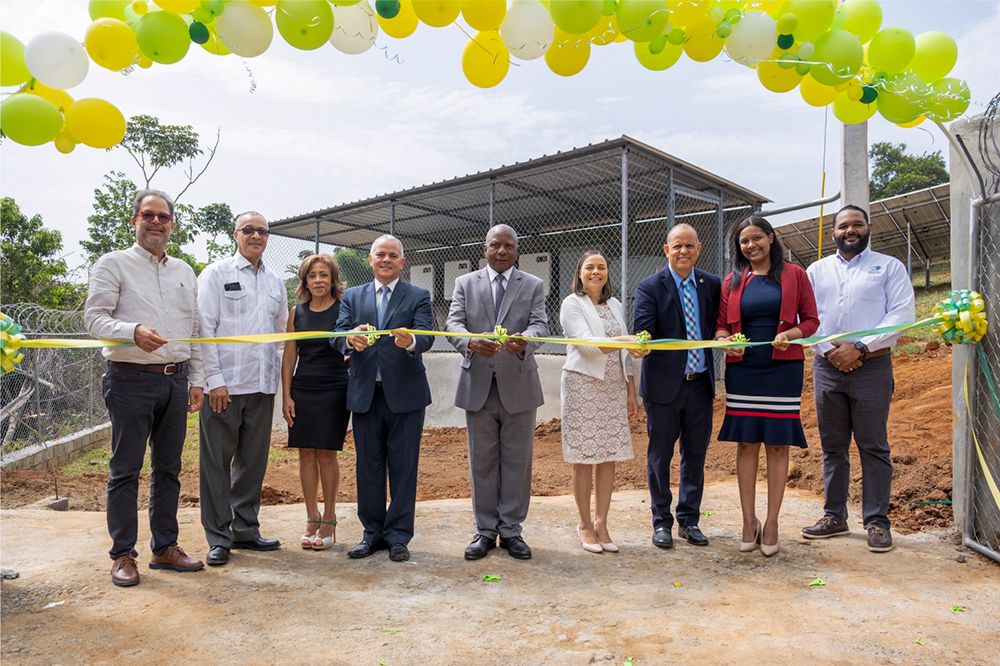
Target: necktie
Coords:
[(499, 298), (690, 324), (383, 305)]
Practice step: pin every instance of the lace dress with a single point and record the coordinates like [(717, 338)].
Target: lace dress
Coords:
[(595, 411)]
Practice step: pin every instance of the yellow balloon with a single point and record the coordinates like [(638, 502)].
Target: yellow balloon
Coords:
[(145, 62), (703, 44), (913, 123), (111, 44), (60, 98), (95, 122), (214, 45), (568, 54), (437, 13), (402, 24), (604, 33), (484, 14), (64, 142), (179, 6), (815, 93), (266, 3), (776, 78), (668, 55), (849, 111), (685, 13), (485, 60)]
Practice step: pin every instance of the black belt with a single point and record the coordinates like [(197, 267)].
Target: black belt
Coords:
[(157, 368), (692, 376)]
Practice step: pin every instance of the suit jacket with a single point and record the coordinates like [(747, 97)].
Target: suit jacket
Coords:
[(521, 311), (798, 308), (579, 319), (659, 311), (404, 380)]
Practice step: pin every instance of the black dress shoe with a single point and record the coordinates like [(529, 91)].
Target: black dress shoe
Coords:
[(364, 549), (693, 535), (479, 547), (258, 543), (516, 547), (217, 556), (662, 538), (399, 552)]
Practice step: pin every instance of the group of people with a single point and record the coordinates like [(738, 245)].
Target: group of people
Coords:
[(378, 384)]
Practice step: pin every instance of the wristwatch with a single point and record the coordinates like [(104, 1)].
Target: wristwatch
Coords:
[(860, 346)]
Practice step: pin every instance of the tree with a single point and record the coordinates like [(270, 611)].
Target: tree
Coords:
[(155, 147), (896, 172), (31, 270)]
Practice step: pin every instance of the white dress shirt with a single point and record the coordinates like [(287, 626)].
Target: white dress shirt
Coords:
[(234, 299), (871, 290), (132, 287)]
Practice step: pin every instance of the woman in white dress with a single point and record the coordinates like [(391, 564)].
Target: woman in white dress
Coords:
[(598, 397)]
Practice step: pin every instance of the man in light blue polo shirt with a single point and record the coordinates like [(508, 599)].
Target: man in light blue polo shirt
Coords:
[(857, 289)]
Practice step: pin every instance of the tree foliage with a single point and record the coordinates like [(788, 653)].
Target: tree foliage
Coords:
[(31, 268), (896, 172)]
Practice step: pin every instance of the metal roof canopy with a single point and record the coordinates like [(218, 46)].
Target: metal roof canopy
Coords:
[(915, 225), (564, 192)]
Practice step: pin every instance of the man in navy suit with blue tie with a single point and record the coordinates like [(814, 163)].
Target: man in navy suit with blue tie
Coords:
[(387, 392), (678, 386)]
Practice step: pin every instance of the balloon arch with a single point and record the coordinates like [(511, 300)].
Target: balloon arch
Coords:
[(835, 54)]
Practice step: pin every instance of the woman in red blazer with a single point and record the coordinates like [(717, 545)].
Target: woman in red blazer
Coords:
[(768, 300)]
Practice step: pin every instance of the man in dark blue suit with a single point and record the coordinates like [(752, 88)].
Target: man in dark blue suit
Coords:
[(678, 387), (387, 392)]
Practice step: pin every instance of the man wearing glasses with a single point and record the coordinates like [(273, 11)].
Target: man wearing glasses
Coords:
[(142, 297), (238, 296)]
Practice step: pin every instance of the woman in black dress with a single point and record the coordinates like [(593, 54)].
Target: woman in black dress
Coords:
[(314, 385), (767, 300)]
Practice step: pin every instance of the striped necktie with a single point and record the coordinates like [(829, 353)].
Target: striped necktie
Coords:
[(693, 355)]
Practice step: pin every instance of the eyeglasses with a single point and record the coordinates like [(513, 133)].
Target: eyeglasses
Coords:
[(149, 216), (250, 231)]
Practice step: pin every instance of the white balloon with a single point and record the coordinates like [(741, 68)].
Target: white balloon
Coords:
[(355, 28), (244, 28), (752, 39), (527, 30), (56, 59)]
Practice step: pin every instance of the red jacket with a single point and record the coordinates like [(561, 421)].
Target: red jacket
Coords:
[(798, 308)]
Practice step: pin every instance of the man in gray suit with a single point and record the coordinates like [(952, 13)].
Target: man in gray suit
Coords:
[(499, 392)]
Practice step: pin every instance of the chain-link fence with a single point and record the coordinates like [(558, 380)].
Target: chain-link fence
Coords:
[(984, 512), (619, 197), (54, 392)]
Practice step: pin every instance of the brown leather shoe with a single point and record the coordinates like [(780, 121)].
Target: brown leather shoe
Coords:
[(175, 559), (825, 528), (879, 539), (124, 572)]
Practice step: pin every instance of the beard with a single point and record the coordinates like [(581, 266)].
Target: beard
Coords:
[(854, 248)]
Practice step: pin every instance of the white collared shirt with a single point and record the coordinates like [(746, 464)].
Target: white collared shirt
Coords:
[(234, 299), (871, 290), (132, 287), (493, 280)]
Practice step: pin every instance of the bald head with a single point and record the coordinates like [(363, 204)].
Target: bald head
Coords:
[(683, 227), (500, 248), (682, 249)]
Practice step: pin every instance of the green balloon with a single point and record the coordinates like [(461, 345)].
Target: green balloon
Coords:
[(676, 36), (108, 9), (13, 71), (198, 32), (659, 61), (657, 44), (949, 98), (724, 29), (305, 24), (213, 7), (802, 68), (900, 98), (163, 37), (891, 50), (786, 41), (841, 55), (787, 60), (641, 20), (202, 15), (29, 119), (868, 94), (576, 17), (387, 9)]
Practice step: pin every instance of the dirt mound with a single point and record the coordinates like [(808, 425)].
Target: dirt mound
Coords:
[(919, 434)]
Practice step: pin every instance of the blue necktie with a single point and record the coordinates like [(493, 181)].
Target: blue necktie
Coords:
[(690, 324), (499, 298), (383, 305)]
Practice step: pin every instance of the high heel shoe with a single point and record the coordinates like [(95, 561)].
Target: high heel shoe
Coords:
[(767, 550), (324, 543), (307, 539), (750, 546), (589, 547)]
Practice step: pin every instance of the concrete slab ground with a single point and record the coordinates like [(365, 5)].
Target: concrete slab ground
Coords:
[(565, 606)]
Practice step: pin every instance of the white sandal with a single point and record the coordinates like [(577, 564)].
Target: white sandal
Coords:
[(307, 539), (324, 543)]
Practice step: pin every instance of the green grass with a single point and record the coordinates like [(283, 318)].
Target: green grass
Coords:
[(926, 299)]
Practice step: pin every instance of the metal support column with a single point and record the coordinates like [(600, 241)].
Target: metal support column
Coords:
[(493, 197), (392, 218), (624, 242), (909, 249), (317, 237), (720, 234)]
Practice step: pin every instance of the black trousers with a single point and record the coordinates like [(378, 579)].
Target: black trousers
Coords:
[(144, 406), (688, 417), (387, 445)]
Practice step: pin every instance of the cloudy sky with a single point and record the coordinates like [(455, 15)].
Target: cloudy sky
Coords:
[(308, 130)]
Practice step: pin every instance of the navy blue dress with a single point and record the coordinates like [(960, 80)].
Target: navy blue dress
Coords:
[(763, 396), (319, 386)]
